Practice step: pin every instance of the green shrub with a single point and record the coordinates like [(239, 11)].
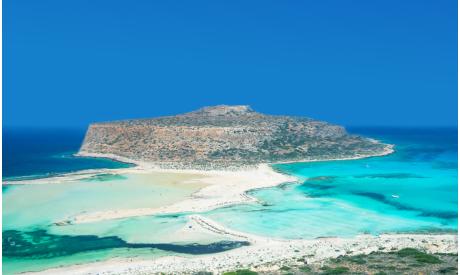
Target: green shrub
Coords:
[(427, 258), (335, 270), (285, 268), (305, 268), (450, 269), (377, 266), (390, 267), (241, 272), (408, 252), (357, 259), (419, 256), (301, 259)]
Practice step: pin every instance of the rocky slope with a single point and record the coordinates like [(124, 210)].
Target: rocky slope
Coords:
[(224, 136)]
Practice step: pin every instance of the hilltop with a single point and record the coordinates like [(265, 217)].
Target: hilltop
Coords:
[(225, 136)]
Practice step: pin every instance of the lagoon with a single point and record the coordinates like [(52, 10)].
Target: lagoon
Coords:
[(411, 190)]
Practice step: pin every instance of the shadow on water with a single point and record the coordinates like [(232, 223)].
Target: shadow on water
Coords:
[(40, 244)]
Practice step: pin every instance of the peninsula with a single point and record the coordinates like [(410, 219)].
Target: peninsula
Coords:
[(224, 137), (205, 199)]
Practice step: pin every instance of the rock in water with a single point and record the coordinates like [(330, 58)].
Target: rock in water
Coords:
[(225, 136)]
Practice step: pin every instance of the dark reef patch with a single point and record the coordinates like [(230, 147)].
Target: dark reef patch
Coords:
[(447, 215), (421, 154), (168, 216), (317, 190), (322, 179), (390, 176), (445, 165), (374, 196), (285, 186), (40, 244), (6, 187), (319, 183), (105, 177), (317, 186)]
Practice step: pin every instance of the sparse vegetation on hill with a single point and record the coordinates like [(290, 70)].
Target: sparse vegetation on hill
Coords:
[(225, 136), (404, 261)]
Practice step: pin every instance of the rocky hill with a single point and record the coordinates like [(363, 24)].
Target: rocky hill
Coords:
[(224, 136)]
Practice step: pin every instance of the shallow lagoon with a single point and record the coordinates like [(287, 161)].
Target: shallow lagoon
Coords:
[(56, 202), (32, 242), (414, 189)]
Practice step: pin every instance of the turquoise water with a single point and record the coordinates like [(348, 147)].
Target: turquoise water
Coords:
[(38, 250), (59, 201), (414, 189), (32, 242)]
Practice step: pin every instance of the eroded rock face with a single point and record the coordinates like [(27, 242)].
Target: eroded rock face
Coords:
[(222, 136)]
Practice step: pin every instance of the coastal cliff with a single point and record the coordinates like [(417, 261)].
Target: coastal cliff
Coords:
[(224, 136)]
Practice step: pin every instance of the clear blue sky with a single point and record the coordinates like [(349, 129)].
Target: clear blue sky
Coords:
[(384, 62)]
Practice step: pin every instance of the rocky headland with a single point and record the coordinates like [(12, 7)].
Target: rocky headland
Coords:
[(224, 137)]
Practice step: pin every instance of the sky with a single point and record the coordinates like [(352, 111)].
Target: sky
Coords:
[(354, 63)]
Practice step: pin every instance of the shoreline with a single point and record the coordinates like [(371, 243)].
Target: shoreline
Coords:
[(66, 177), (389, 149), (140, 166), (222, 188), (263, 253), (228, 187)]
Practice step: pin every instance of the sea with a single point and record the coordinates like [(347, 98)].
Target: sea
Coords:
[(410, 191), (30, 153)]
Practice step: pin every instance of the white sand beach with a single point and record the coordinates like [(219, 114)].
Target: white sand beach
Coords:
[(224, 188), (263, 254)]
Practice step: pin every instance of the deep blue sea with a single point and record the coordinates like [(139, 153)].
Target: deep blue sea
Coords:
[(41, 152)]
